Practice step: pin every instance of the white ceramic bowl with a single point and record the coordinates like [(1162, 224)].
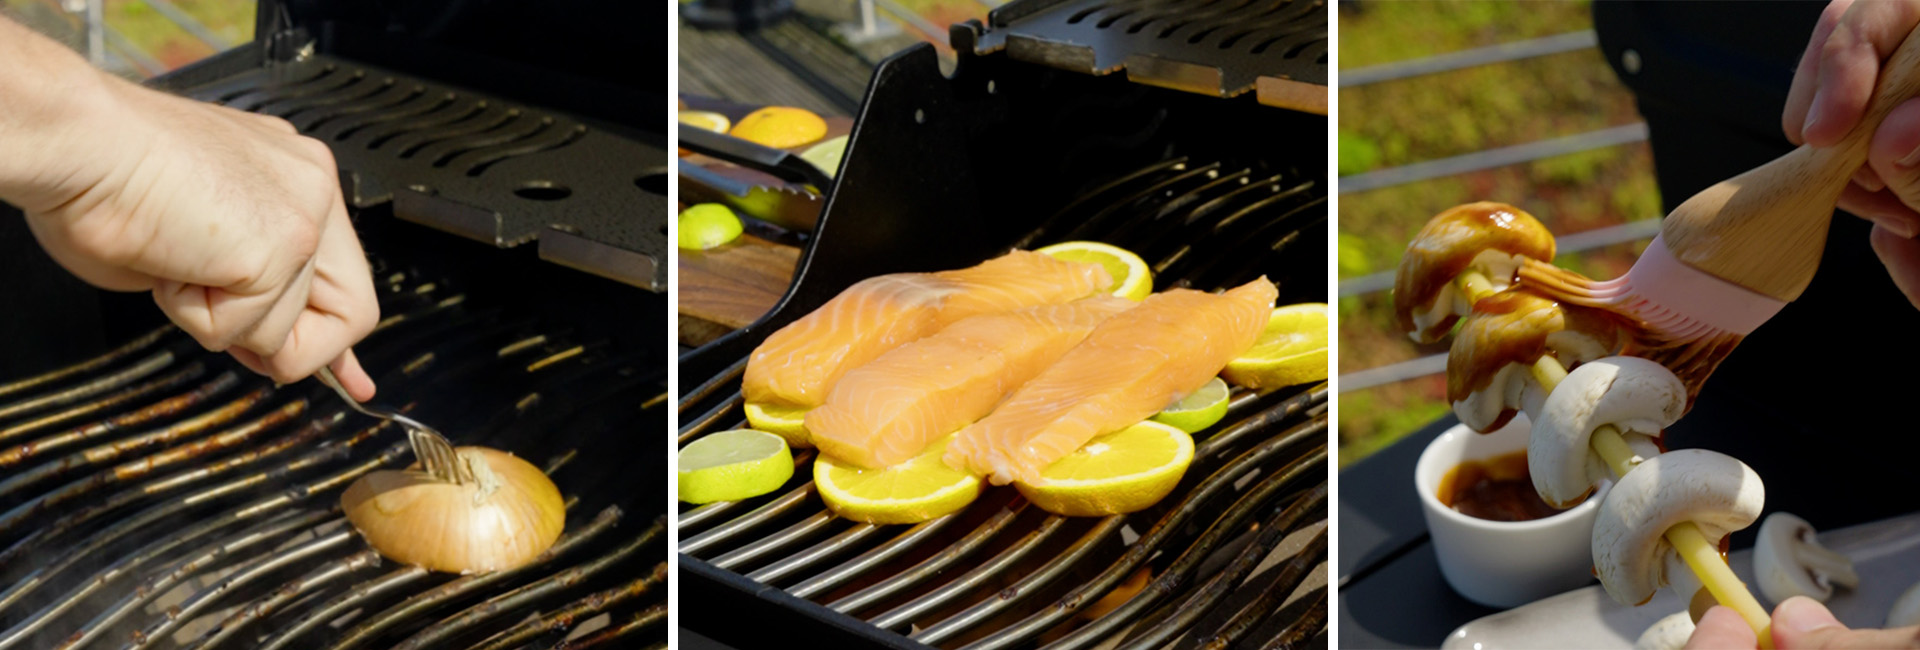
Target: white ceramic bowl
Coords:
[(1498, 563)]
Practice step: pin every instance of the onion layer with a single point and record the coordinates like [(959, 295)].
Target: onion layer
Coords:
[(505, 519)]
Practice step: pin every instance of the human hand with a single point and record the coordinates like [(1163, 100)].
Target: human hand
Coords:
[(231, 219), (1798, 622)]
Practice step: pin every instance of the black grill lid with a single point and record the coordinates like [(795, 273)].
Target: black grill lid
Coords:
[(1225, 48)]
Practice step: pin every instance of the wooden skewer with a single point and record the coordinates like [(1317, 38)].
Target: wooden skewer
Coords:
[(1702, 556)]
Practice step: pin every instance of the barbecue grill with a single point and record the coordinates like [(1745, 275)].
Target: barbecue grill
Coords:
[(156, 495), (1024, 145)]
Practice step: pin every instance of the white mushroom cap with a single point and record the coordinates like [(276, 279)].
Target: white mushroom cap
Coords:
[(1710, 489), (1669, 633), (1789, 561), (1636, 396), (1451, 303), (1906, 609)]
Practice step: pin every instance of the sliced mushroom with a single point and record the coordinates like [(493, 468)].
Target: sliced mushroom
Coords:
[(1683, 583), (1488, 376), (1636, 396), (1906, 609), (1669, 633), (1713, 490), (1493, 238), (1789, 561)]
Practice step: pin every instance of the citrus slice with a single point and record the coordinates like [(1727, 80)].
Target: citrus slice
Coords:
[(1131, 277), (917, 490), (785, 421), (708, 120), (826, 155), (1292, 350), (1199, 410), (780, 127), (1120, 472), (733, 465), (707, 225)]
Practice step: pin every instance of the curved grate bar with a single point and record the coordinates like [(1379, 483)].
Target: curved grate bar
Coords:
[(564, 618)]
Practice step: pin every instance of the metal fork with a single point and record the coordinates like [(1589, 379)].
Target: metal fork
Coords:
[(434, 451)]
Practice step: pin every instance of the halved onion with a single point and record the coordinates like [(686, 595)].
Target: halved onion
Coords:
[(505, 519)]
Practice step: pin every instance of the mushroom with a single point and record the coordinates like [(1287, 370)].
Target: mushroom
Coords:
[(1488, 369), (1789, 561), (1713, 490), (1906, 609), (1636, 396), (1668, 633), (1493, 238)]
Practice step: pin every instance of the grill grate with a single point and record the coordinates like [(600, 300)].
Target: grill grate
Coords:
[(1002, 574), (160, 496), (1275, 48), (472, 164)]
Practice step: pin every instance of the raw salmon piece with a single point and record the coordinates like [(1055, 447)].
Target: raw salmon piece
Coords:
[(1130, 367), (889, 410), (799, 364)]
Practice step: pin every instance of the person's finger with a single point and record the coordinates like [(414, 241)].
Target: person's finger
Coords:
[(341, 307), (249, 359), (1868, 179), (1806, 77), (1894, 154), (1850, 65), (353, 377), (1882, 208), (1722, 629), (1803, 623), (1901, 256), (215, 317), (267, 336)]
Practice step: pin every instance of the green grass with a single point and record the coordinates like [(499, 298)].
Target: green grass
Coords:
[(1402, 122)]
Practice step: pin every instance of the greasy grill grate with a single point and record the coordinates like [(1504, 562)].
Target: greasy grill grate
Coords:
[(161, 496), (1226, 551), (471, 164), (1277, 48)]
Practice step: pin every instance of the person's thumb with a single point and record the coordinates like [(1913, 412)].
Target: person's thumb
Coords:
[(1801, 622)]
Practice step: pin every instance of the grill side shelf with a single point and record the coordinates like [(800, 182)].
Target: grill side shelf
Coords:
[(1276, 49), (471, 164)]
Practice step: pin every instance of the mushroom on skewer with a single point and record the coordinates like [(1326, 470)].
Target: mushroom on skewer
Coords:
[(1710, 490), (1488, 369), (1491, 239), (1636, 396)]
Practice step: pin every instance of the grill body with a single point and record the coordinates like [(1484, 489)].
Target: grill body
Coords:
[(943, 171)]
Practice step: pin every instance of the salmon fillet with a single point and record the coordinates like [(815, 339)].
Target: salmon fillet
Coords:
[(1131, 367), (799, 364), (889, 410)]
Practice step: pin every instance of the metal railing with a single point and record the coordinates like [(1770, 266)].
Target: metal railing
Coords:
[(110, 49), (1477, 161)]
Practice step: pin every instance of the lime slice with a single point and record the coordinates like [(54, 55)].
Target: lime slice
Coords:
[(785, 421), (1131, 277), (826, 155), (707, 225), (1292, 350), (733, 465), (1199, 410), (708, 120), (917, 490), (1124, 471)]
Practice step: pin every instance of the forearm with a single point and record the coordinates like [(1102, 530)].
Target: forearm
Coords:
[(49, 99)]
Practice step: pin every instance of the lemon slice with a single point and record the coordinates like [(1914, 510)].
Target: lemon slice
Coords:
[(780, 127), (917, 490), (732, 465), (785, 421), (1131, 277), (1199, 410), (1292, 350), (1120, 472), (707, 225), (708, 120), (826, 155)]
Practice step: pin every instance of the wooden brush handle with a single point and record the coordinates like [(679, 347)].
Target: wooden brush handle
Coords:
[(1765, 229)]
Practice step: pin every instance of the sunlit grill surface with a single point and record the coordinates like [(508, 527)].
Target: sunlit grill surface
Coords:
[(1233, 557), (162, 496)]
